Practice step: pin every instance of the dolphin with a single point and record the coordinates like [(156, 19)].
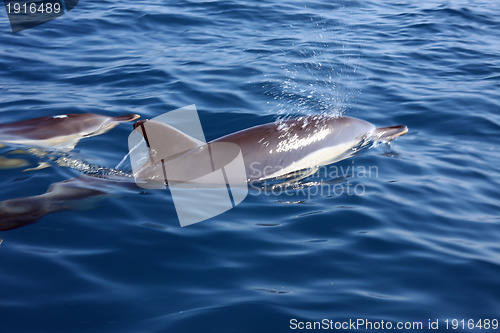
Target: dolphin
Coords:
[(269, 151), (71, 194), (59, 132)]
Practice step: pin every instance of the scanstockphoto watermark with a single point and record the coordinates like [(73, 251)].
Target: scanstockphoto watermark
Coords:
[(365, 324), (331, 181), (25, 14)]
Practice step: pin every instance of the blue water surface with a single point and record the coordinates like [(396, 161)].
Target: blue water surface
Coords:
[(420, 240)]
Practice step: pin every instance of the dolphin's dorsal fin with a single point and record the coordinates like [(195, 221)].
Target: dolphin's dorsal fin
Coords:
[(165, 141)]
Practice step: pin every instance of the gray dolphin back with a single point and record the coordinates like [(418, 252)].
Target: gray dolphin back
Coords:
[(276, 149)]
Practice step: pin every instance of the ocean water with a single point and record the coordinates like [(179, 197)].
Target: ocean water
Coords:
[(417, 239)]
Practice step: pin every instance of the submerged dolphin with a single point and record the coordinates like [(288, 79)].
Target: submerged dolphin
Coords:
[(71, 194), (65, 195), (269, 151), (60, 132)]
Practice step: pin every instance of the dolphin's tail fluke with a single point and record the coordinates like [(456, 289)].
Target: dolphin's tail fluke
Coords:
[(386, 134)]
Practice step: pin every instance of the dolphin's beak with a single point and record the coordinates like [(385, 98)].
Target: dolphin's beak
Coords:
[(139, 123)]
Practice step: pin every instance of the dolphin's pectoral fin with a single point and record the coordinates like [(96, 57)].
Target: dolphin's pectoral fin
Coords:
[(386, 134), (40, 166)]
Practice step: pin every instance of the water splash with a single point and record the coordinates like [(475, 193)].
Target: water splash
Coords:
[(319, 80)]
